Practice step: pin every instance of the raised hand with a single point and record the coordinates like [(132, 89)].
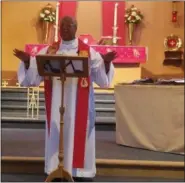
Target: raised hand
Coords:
[(25, 57), (110, 56)]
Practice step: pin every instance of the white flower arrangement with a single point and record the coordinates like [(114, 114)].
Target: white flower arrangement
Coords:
[(48, 14), (133, 15)]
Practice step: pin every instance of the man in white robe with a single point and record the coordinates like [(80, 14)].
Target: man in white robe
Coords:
[(101, 72)]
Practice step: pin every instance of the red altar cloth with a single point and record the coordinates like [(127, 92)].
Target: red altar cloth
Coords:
[(126, 54)]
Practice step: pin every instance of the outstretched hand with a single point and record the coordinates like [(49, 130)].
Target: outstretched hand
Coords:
[(110, 56), (25, 57)]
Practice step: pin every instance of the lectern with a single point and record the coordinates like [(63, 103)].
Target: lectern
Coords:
[(62, 66)]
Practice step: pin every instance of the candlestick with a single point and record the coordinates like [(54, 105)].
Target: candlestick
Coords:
[(56, 22), (115, 27), (115, 14)]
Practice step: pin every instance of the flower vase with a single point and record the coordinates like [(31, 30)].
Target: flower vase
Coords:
[(130, 32), (46, 31)]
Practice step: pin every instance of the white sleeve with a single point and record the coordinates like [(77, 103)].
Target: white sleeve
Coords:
[(30, 76), (98, 72)]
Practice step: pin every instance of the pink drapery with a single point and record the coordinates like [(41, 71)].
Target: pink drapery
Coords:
[(108, 19), (67, 8)]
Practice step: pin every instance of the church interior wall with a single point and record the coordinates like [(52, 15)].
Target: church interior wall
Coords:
[(19, 27)]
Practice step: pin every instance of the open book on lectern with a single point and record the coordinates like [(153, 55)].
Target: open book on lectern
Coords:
[(55, 65)]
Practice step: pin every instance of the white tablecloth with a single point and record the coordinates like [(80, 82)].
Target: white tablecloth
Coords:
[(150, 117)]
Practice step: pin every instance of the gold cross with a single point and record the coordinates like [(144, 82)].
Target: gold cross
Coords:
[(4, 83)]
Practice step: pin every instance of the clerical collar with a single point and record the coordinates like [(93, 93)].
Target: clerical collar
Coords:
[(69, 42)]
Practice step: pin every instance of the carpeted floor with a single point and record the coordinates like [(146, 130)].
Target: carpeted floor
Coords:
[(41, 178), (30, 143)]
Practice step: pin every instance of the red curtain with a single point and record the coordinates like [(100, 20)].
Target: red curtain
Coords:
[(108, 19), (67, 8)]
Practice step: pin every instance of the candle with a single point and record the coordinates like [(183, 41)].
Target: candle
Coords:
[(56, 22), (115, 14)]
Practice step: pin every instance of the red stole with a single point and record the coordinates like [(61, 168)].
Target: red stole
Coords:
[(82, 107)]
